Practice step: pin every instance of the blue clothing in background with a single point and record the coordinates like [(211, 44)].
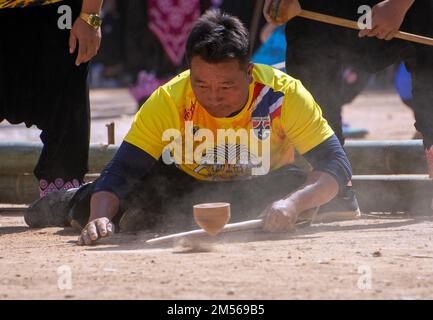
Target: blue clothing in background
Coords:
[(273, 50), (403, 83)]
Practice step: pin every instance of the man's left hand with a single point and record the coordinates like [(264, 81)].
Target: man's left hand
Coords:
[(88, 40), (95, 230), (280, 216)]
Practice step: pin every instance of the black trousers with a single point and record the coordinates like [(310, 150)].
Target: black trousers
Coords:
[(168, 194), (40, 85), (317, 53)]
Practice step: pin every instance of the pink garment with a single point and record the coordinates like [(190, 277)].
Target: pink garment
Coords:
[(171, 21), (46, 187), (146, 84)]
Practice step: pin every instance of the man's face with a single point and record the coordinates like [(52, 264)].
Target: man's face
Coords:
[(221, 88)]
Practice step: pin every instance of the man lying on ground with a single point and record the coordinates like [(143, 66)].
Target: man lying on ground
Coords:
[(225, 130)]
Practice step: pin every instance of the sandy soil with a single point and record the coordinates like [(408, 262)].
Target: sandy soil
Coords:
[(375, 257)]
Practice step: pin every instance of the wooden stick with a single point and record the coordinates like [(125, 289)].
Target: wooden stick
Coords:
[(354, 25), (232, 227), (110, 133)]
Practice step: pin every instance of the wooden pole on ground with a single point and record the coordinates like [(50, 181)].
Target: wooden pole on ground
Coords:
[(231, 227)]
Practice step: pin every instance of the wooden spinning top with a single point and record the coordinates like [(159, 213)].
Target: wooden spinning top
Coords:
[(212, 217)]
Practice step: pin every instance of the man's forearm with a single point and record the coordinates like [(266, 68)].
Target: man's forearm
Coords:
[(129, 165), (103, 204), (92, 6), (319, 189)]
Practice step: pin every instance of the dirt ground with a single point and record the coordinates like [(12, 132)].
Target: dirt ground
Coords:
[(379, 256), (373, 258)]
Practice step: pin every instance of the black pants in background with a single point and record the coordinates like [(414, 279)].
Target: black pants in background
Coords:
[(317, 53), (168, 194), (40, 85)]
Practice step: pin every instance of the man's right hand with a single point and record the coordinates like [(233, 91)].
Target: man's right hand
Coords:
[(94, 230), (280, 11), (280, 216)]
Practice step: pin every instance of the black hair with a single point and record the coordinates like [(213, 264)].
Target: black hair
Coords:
[(217, 37)]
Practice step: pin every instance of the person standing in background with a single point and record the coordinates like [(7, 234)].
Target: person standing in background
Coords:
[(155, 38), (318, 51)]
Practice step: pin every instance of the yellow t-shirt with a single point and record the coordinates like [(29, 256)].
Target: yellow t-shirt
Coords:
[(280, 116), (24, 3)]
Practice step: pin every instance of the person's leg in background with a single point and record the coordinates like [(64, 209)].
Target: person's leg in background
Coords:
[(374, 55), (65, 122), (314, 57), (420, 65), (43, 87), (421, 69), (65, 135)]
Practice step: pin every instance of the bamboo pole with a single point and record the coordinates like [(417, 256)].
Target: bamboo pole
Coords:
[(394, 193), (366, 157), (21, 158), (387, 157)]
